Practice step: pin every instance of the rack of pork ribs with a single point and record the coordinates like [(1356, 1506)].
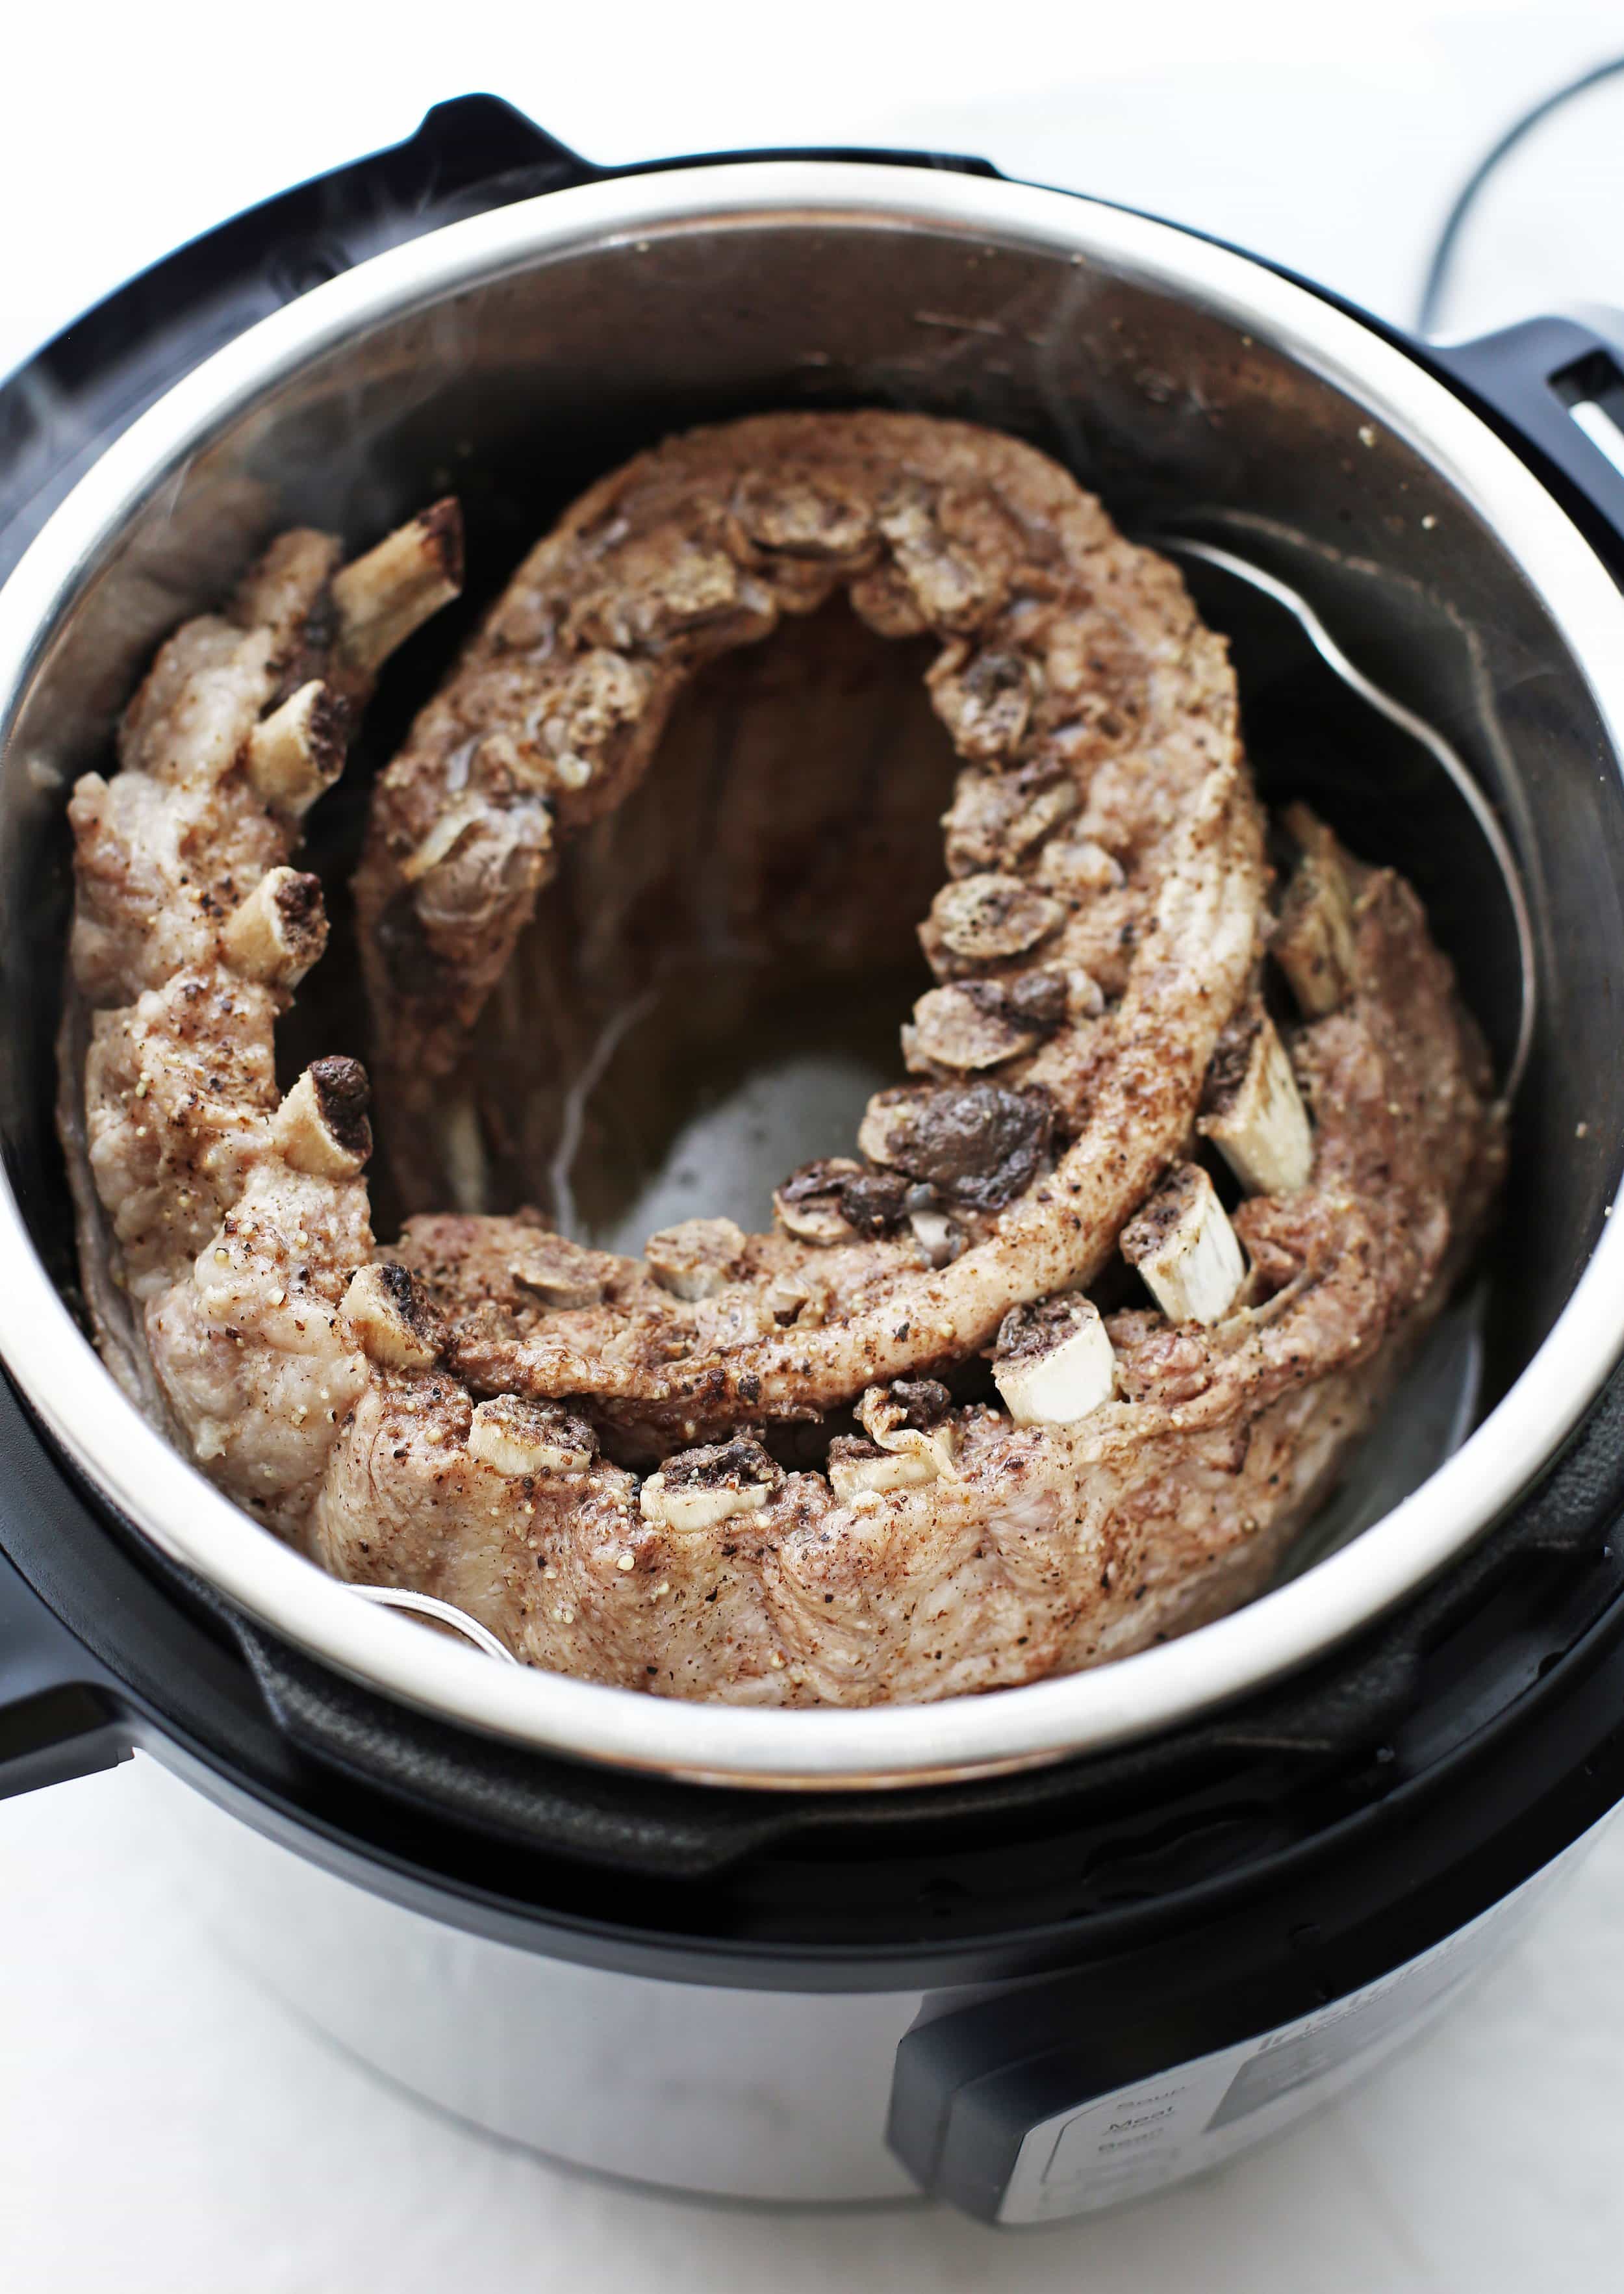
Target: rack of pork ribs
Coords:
[(893, 1449)]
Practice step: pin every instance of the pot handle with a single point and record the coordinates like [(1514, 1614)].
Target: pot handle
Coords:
[(1557, 385), (56, 1722), (472, 153)]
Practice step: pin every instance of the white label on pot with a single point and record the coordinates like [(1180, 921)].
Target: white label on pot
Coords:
[(1186, 2120)]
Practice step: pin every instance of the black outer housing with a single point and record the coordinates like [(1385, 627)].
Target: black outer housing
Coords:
[(1313, 1835)]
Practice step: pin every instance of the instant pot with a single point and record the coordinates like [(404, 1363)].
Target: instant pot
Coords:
[(1034, 1952)]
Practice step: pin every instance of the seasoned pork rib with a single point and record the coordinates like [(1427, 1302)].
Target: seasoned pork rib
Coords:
[(1009, 1551), (219, 1223), (767, 1468), (1100, 926)]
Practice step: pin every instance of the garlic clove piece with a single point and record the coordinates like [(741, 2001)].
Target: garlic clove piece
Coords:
[(986, 918), (940, 1238)]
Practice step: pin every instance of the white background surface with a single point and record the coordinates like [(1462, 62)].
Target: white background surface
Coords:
[(161, 2127)]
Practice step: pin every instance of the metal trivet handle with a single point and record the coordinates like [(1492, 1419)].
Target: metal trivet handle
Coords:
[(425, 1605)]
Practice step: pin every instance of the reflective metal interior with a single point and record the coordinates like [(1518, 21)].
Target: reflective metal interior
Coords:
[(513, 359)]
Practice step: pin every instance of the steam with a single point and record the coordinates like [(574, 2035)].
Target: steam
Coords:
[(575, 1102)]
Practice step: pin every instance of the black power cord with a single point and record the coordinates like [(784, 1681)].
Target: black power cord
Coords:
[(1437, 276)]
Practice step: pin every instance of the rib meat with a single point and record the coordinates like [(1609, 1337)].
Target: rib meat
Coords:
[(775, 1468), (216, 1234), (1083, 696), (1024, 1550)]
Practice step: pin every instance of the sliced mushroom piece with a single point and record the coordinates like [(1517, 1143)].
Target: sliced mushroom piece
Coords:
[(974, 1024), (1185, 1249), (698, 1489), (1256, 1118), (887, 1126), (382, 598), (1054, 1362), (874, 1201), (495, 849), (986, 918), (298, 751), (695, 1258), (1077, 866), (794, 516), (562, 1274), (1047, 811), (966, 1027), (321, 1127), (955, 585), (569, 733), (516, 1437), (983, 701), (1040, 1000), (977, 1144), (1313, 942), (811, 1203), (277, 933), (997, 818), (392, 1317)]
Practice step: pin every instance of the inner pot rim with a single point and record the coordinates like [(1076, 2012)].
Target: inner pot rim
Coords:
[(153, 1487)]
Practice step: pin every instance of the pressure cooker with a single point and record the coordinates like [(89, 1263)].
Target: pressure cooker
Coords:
[(1035, 1952)]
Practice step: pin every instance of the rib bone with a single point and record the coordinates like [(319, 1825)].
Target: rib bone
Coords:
[(1054, 1363), (321, 1127), (382, 598), (1185, 1248), (1259, 1123), (856, 1467), (277, 933), (517, 1437), (909, 1421), (1313, 943), (393, 1317), (701, 1488), (298, 751)]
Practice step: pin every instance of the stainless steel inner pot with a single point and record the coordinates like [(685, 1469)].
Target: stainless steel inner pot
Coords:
[(514, 357)]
